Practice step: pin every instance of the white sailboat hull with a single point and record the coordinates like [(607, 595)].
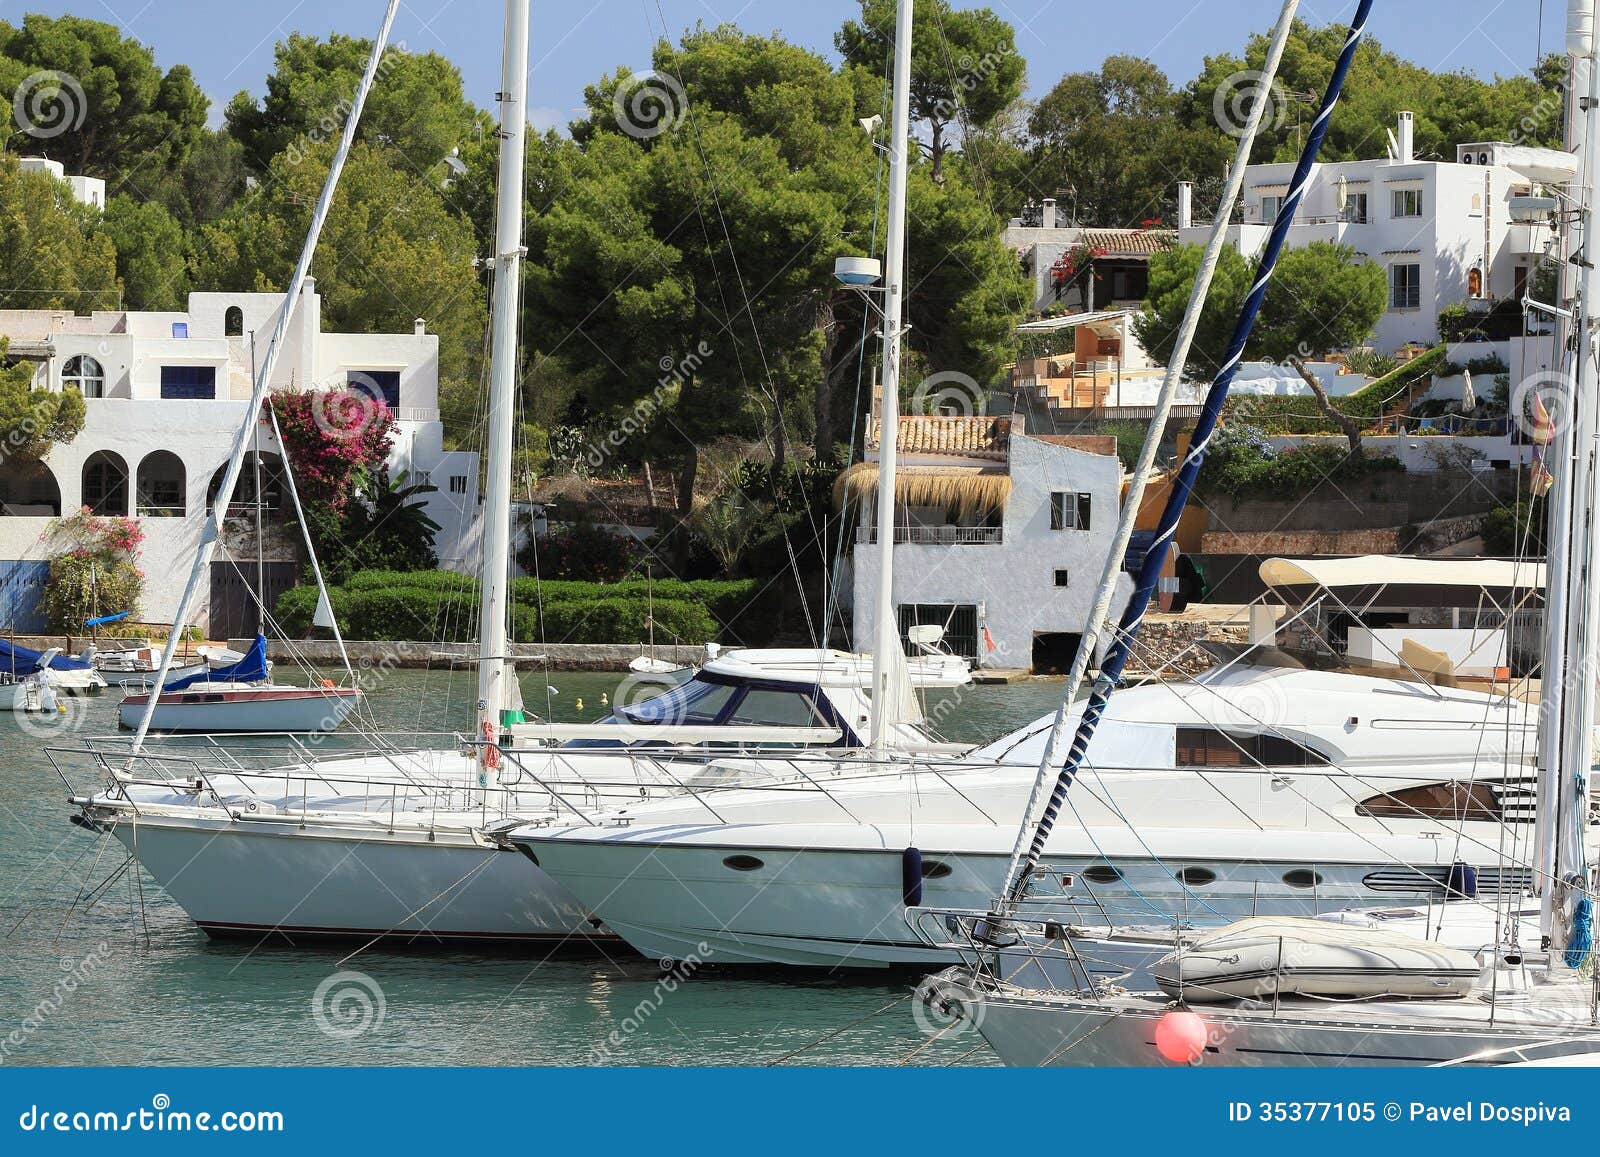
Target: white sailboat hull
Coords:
[(268, 708), (270, 878), (1036, 1031)]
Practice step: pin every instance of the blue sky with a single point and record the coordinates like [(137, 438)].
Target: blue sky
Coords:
[(229, 44)]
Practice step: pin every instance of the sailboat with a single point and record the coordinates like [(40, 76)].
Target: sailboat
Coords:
[(240, 695), (389, 842)]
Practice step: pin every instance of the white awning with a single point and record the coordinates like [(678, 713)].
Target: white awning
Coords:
[(1068, 321), (1384, 570)]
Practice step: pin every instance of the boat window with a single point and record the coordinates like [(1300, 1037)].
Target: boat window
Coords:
[(1102, 874), (935, 869), (1302, 878), (1197, 877), (742, 863), (763, 708), (1454, 801), (1206, 747), (696, 701)]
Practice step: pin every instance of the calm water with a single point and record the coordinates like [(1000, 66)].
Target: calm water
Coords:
[(124, 979)]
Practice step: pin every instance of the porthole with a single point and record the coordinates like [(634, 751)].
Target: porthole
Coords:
[(742, 863), (935, 869), (1102, 874), (1197, 877), (1302, 878)]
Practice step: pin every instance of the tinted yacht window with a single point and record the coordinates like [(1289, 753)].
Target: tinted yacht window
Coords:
[(763, 708)]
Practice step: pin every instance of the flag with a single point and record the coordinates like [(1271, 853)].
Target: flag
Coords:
[(1544, 430), (1540, 479), (988, 639)]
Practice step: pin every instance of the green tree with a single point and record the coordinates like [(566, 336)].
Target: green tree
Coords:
[(964, 65), (151, 253), (123, 118), (1323, 297), (416, 110), (1449, 106), (53, 254), (1110, 146), (32, 420)]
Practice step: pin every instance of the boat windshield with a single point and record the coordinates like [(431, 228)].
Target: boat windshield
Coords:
[(697, 701)]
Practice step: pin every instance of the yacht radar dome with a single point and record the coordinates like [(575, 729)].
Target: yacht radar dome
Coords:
[(857, 271)]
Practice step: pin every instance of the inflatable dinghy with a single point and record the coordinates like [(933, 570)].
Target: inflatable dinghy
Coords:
[(1258, 958)]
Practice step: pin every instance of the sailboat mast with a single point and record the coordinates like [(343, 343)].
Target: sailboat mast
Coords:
[(494, 603), (212, 530), (1571, 599), (887, 641)]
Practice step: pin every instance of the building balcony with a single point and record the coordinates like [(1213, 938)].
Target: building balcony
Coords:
[(937, 536)]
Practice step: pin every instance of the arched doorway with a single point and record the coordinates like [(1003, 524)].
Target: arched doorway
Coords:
[(233, 322), (160, 485), (28, 488), (273, 489), (105, 483)]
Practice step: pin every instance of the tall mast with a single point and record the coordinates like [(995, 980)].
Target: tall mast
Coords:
[(263, 376), (885, 665), (494, 604), (1571, 598)]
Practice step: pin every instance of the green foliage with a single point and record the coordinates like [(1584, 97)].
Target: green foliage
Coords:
[(1323, 297), (1240, 464), (52, 253), (92, 571), (1515, 531), (151, 253), (132, 123), (386, 528), (1300, 414), (965, 68), (416, 108), (32, 420), (1369, 363), (443, 606)]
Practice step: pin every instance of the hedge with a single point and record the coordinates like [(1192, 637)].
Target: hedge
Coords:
[(1300, 413), (443, 606)]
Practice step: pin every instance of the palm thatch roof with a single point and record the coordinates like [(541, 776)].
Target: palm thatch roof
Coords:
[(966, 491)]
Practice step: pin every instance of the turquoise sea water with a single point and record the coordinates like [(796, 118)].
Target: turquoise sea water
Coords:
[(125, 980)]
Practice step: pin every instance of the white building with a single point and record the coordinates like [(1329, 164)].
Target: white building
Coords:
[(85, 190), (165, 393), (1442, 230), (999, 536), (1121, 266)]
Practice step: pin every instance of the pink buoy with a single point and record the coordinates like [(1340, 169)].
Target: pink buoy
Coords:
[(1181, 1036)]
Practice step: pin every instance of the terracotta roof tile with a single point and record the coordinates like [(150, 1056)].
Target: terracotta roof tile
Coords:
[(1130, 242), (974, 436)]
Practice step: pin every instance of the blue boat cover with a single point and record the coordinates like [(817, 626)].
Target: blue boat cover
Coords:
[(250, 669), (22, 662), (104, 619)]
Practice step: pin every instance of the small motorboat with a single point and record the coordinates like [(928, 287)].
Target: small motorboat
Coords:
[(241, 696), (133, 662), (33, 681)]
